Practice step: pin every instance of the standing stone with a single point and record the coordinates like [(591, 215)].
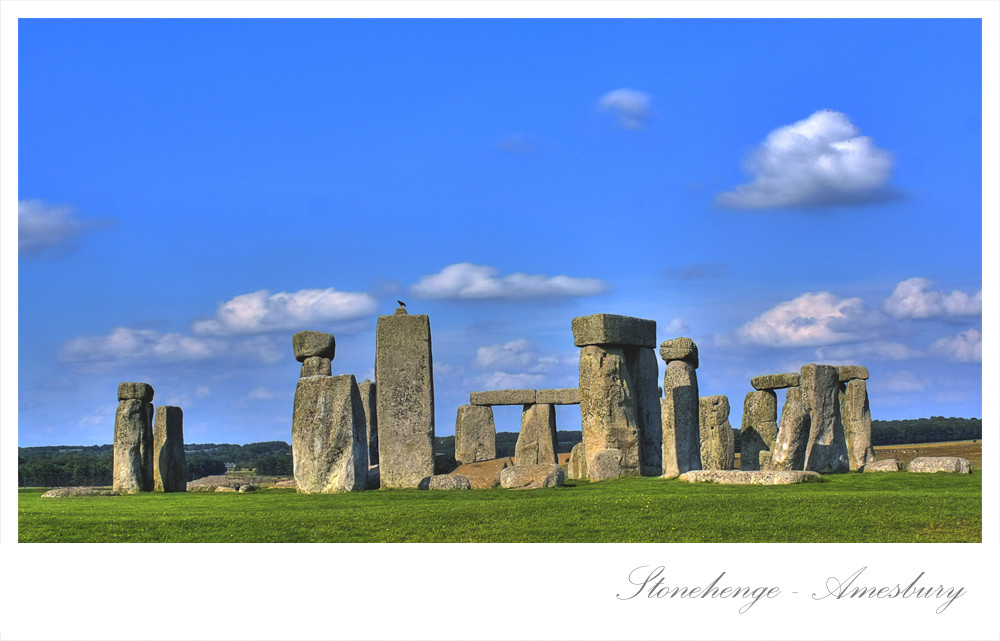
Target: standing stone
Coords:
[(680, 408), (607, 407), (826, 450), (329, 446), (857, 419), (643, 372), (170, 473), (475, 434), (133, 439), (759, 427), (717, 441), (578, 462), (536, 444), (367, 391), (316, 366), (789, 452), (404, 380)]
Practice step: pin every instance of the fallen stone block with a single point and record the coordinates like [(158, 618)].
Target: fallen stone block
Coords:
[(449, 482), (931, 464), (747, 477), (529, 477), (484, 475), (60, 492), (775, 381), (612, 329), (503, 397), (888, 465)]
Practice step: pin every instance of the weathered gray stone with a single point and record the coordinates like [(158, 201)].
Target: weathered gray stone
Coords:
[(931, 464), (475, 434), (170, 473), (247, 488), (310, 343), (449, 482), (789, 451), (612, 329), (607, 407), (717, 442), (857, 420), (764, 460), (775, 381), (146, 448), (503, 397), (644, 375), (577, 467), (316, 366), (567, 396), (366, 389), (888, 465), (405, 399), (76, 491), (131, 420), (852, 372), (680, 409), (749, 477), (606, 464), (226, 488), (329, 446), (536, 443), (679, 349), (139, 391), (759, 427), (826, 450), (529, 477)]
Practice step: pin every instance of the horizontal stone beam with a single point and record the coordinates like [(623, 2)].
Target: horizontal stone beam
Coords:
[(503, 397), (775, 381), (852, 372), (612, 329), (679, 349), (565, 396)]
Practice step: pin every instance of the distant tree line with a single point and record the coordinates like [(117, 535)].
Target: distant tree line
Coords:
[(926, 430)]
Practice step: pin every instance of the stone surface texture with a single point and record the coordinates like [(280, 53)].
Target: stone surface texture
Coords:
[(475, 434), (529, 477), (503, 397), (680, 410), (577, 468), (170, 473), (852, 372), (366, 389), (643, 373), (612, 329), (857, 419), (789, 451), (608, 407), (679, 349), (605, 464), (567, 396), (329, 444), (826, 450), (316, 366), (449, 482), (132, 466), (888, 465), (748, 477), (405, 399), (775, 381), (484, 475), (931, 464), (536, 443), (717, 441), (310, 343), (759, 428), (139, 391)]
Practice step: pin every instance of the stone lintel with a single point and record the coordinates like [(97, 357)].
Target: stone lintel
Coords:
[(503, 397), (612, 329), (852, 372), (565, 396), (310, 343), (139, 391), (679, 349), (775, 381)]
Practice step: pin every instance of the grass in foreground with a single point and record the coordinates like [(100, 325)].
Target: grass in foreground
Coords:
[(898, 507)]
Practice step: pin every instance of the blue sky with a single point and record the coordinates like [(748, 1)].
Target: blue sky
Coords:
[(191, 193)]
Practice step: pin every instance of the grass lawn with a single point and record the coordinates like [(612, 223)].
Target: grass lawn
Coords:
[(896, 507)]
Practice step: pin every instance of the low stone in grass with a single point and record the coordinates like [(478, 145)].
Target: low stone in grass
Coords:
[(749, 477), (449, 482), (77, 491), (225, 488), (606, 464), (931, 464), (529, 477), (888, 465)]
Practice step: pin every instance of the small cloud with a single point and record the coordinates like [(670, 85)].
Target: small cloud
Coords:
[(965, 347), (261, 394), (516, 144), (124, 344), (519, 364), (676, 327), (504, 380), (201, 391), (911, 299), (42, 227), (261, 311), (881, 350), (811, 319), (903, 381), (632, 108), (817, 162), (468, 281), (697, 272)]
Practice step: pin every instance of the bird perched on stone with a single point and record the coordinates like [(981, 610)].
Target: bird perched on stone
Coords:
[(401, 303)]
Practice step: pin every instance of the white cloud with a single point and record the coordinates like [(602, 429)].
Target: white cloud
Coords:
[(261, 394), (262, 311), (964, 347), (41, 226), (676, 327), (911, 299), (811, 319), (504, 380), (880, 350), (519, 364), (124, 344), (903, 381), (815, 162), (632, 108), (465, 280)]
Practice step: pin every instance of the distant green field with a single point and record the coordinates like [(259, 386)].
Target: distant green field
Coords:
[(898, 507)]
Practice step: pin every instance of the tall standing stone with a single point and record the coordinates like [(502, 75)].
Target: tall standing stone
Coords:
[(759, 427), (404, 380), (329, 444), (717, 440), (170, 473), (643, 372), (367, 391), (857, 419), (475, 434), (789, 451), (608, 410), (826, 450), (133, 439), (536, 443), (577, 468), (680, 408)]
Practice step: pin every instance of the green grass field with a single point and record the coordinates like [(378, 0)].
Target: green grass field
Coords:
[(899, 507)]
